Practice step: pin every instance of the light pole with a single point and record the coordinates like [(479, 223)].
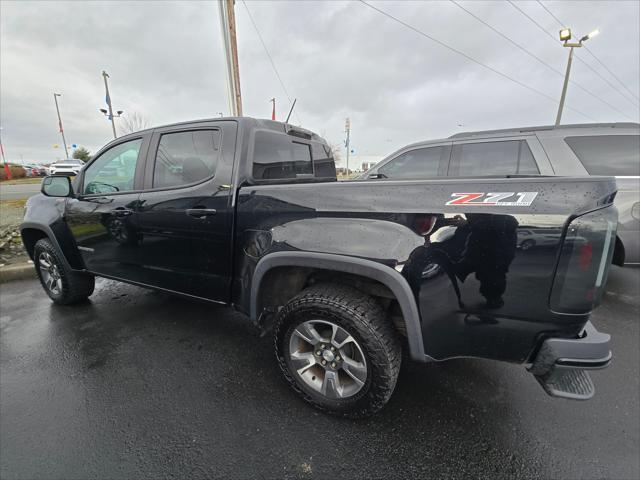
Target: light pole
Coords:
[(565, 36), (109, 113), (347, 142), (64, 142)]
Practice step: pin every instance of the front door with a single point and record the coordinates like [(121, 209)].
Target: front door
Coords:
[(185, 213), (103, 215)]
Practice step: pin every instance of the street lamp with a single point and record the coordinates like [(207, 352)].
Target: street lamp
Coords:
[(109, 113), (565, 36), (64, 141)]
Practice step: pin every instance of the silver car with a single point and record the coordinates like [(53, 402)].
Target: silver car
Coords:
[(585, 149)]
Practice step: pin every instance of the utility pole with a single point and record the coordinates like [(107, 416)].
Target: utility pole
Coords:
[(228, 26), (64, 142), (565, 36), (105, 75), (347, 143)]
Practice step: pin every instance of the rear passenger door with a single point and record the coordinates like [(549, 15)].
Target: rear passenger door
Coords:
[(498, 157), (185, 211)]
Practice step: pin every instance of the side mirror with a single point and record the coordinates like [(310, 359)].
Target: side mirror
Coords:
[(376, 175), (56, 186)]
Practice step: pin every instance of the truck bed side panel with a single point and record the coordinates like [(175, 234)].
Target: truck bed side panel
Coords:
[(481, 268)]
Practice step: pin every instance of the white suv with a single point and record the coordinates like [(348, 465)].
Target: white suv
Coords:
[(66, 167)]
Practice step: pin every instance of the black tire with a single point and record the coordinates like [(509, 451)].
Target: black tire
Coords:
[(121, 232), (73, 287), (527, 245), (364, 319)]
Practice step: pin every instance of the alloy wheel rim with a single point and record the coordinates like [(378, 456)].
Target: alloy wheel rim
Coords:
[(50, 274), (327, 359)]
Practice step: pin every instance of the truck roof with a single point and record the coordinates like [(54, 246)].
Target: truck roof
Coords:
[(261, 123)]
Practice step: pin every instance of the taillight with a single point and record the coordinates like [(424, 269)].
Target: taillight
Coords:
[(586, 255), (423, 224), (584, 262)]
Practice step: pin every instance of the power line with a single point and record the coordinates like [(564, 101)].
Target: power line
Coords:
[(577, 58), (553, 69), (562, 24), (468, 57), (270, 59)]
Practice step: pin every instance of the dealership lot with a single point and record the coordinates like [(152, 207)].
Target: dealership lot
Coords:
[(138, 384)]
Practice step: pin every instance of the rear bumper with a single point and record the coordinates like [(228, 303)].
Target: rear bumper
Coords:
[(561, 363)]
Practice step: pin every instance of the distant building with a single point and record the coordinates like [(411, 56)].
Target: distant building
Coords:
[(359, 163)]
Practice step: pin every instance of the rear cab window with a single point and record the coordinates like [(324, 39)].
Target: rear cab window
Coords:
[(617, 155), (507, 157), (278, 156)]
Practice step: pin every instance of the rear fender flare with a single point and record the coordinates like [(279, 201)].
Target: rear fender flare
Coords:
[(358, 266)]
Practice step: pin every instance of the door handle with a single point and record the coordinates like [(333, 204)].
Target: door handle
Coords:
[(201, 212), (121, 212)]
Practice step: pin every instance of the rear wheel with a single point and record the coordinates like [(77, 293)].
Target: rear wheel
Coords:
[(527, 244), (337, 350), (63, 285)]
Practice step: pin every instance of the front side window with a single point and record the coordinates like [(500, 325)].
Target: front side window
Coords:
[(415, 164), (608, 154), (493, 158), (186, 157), (114, 170), (277, 156)]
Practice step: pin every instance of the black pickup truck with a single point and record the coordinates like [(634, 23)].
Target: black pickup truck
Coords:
[(248, 213)]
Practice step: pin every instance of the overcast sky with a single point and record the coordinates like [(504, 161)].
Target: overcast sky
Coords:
[(339, 59)]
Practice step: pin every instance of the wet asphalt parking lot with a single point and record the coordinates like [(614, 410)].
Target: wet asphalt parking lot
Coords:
[(139, 384)]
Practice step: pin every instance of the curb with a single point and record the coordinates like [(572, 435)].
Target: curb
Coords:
[(17, 272)]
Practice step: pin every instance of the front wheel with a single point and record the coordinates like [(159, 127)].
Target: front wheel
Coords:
[(337, 350), (63, 285)]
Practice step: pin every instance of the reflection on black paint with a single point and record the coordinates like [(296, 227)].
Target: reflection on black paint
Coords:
[(483, 244)]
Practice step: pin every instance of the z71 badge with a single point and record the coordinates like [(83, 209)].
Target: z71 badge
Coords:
[(500, 199)]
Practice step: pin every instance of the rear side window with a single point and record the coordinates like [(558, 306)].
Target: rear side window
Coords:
[(415, 164), (277, 156), (608, 154), (493, 158), (186, 157)]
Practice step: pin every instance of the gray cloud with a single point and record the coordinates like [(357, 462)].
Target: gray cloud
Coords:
[(338, 58)]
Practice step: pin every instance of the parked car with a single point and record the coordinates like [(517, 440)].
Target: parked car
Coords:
[(248, 213), (29, 170), (587, 149), (43, 171), (66, 167)]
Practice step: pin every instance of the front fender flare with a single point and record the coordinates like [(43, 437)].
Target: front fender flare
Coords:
[(49, 233), (358, 266)]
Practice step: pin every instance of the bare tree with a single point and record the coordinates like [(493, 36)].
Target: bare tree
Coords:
[(336, 151), (133, 123), (335, 148)]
